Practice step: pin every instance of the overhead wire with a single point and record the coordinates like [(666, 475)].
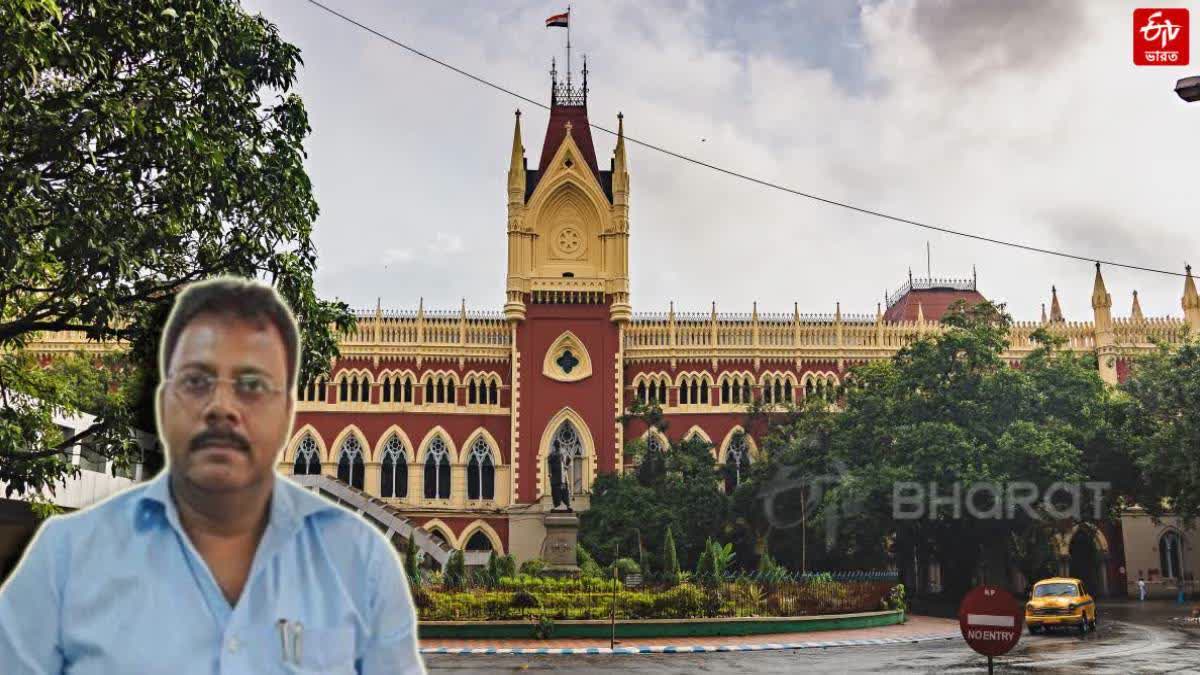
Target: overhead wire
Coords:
[(746, 177)]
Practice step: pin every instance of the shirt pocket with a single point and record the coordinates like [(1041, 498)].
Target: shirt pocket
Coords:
[(326, 650)]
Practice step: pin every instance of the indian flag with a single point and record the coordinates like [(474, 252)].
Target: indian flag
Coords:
[(558, 20)]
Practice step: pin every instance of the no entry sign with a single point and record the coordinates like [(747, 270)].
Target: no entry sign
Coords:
[(991, 620)]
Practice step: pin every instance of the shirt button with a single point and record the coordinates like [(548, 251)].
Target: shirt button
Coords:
[(234, 645)]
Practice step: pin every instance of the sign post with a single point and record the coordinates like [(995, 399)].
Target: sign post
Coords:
[(991, 621)]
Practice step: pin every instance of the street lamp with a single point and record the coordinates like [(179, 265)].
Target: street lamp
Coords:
[(1189, 88)]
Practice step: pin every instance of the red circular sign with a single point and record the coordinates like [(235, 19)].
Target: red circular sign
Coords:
[(991, 620)]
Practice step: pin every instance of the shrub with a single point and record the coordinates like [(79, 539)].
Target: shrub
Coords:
[(670, 564), (412, 563), (543, 628), (625, 567), (506, 566), (456, 571), (533, 567), (588, 567), (681, 602), (523, 599)]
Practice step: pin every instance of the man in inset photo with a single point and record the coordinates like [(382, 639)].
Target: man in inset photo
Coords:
[(217, 565)]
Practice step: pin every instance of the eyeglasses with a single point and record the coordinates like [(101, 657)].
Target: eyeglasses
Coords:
[(195, 387)]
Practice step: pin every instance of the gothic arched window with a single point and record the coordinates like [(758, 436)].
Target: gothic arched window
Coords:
[(737, 461), (481, 472), (566, 449), (1169, 555), (393, 478), (350, 462), (308, 458), (437, 470), (479, 542)]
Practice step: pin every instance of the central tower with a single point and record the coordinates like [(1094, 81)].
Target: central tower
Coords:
[(568, 220), (567, 301)]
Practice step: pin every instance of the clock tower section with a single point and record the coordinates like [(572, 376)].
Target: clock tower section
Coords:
[(567, 301)]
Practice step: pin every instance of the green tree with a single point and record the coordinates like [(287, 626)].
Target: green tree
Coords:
[(411, 563), (144, 145), (1164, 428), (456, 571), (947, 410), (684, 494), (670, 562)]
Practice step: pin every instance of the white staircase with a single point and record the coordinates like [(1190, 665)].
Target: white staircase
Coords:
[(387, 518)]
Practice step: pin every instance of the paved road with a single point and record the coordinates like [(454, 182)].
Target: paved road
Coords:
[(1131, 638)]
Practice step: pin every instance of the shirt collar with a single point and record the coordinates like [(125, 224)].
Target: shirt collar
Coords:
[(290, 503)]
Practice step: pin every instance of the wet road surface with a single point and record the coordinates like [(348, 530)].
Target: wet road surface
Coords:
[(1131, 638)]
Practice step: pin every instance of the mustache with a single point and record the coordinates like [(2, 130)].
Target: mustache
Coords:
[(225, 437)]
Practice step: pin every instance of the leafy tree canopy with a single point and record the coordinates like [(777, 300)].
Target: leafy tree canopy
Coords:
[(144, 145)]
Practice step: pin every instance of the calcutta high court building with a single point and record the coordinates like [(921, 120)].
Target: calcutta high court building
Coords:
[(455, 421), (452, 427)]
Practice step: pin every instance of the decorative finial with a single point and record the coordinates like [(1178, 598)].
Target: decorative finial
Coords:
[(568, 127), (1188, 268), (518, 111)]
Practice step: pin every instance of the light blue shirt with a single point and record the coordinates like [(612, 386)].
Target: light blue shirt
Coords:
[(119, 588)]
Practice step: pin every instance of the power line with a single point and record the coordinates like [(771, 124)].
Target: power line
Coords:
[(742, 176)]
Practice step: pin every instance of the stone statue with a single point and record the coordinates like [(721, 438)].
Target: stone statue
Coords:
[(558, 483)]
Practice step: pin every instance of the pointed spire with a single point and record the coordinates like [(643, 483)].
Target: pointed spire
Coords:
[(1136, 312), (463, 309), (620, 168), (714, 310), (754, 311), (1043, 312), (796, 312), (1100, 297), (516, 165), (1191, 300), (920, 312), (837, 312), (878, 312), (421, 308), (378, 306), (1056, 314)]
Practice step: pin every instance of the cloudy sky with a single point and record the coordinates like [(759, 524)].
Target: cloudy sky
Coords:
[(1022, 120)]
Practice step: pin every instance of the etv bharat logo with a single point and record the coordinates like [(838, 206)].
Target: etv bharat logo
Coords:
[(1160, 37)]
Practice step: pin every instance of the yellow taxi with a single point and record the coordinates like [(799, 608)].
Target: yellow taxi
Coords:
[(1060, 601)]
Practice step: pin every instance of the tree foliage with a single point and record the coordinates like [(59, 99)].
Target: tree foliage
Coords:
[(143, 145), (1163, 425)]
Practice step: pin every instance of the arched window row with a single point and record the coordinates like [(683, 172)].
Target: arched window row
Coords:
[(440, 388), (824, 385), (694, 389), (483, 389), (481, 461), (650, 389), (777, 388), (397, 388), (737, 389), (313, 390), (354, 387)]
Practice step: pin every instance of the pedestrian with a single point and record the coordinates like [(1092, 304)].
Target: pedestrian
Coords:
[(217, 564), (1141, 588)]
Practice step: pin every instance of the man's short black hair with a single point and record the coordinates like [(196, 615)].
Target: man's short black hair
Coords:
[(243, 299)]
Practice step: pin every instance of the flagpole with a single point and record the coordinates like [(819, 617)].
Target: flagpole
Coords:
[(568, 47)]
